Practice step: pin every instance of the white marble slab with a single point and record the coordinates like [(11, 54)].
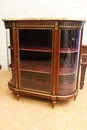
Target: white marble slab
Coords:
[(44, 18)]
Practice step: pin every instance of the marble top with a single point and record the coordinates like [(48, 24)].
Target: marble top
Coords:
[(44, 18)]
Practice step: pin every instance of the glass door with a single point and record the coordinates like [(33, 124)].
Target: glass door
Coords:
[(68, 66), (35, 47)]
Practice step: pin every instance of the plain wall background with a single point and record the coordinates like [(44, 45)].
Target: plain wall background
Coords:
[(38, 8)]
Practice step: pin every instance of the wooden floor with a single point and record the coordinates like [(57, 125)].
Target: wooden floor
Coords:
[(37, 114)]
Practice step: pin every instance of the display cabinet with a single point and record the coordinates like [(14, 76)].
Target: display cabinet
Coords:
[(45, 57)]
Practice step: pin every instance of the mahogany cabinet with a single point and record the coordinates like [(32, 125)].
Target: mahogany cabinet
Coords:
[(45, 57)]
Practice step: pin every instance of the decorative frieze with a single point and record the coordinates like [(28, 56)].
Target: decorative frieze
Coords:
[(8, 24), (44, 23), (35, 24), (68, 24)]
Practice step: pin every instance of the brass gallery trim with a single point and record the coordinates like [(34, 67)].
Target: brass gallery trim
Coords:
[(54, 24), (35, 24), (70, 24)]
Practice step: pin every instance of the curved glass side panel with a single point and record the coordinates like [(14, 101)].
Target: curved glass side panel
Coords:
[(69, 54), (10, 57)]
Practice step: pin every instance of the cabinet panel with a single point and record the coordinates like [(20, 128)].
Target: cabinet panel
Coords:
[(35, 52), (67, 84), (68, 67), (35, 81), (35, 39)]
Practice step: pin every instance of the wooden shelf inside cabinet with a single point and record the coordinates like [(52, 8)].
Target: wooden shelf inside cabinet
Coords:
[(35, 66), (68, 50), (33, 48), (66, 71), (10, 47)]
